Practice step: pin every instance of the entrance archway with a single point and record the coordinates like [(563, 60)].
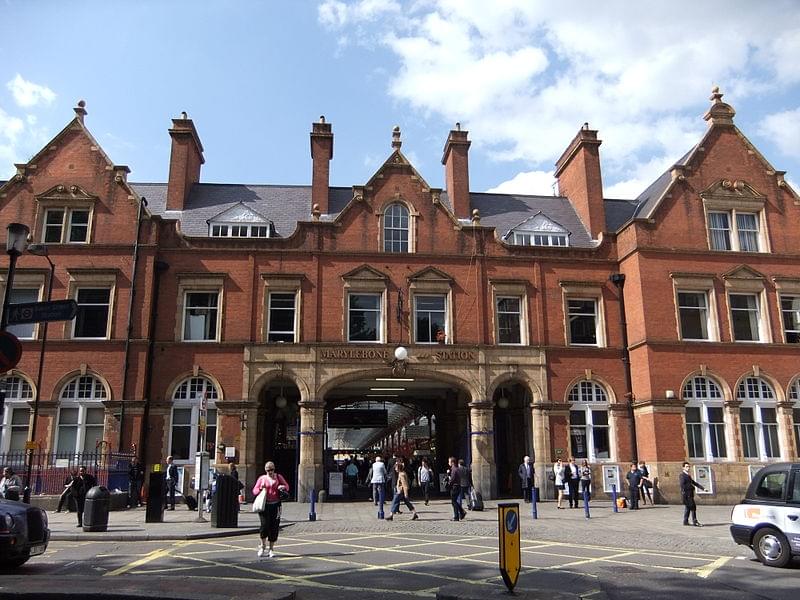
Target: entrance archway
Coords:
[(512, 435), (278, 429)]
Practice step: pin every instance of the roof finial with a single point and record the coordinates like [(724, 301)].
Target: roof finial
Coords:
[(80, 110), (396, 143), (184, 115), (458, 126), (716, 96), (322, 118)]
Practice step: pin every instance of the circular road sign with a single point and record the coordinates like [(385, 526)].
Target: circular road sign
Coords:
[(10, 351)]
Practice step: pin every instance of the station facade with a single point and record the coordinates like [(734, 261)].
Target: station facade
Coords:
[(662, 328)]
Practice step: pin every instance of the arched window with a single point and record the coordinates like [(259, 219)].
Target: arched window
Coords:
[(759, 419), (16, 415), (794, 396), (395, 228), (705, 419), (191, 397), (588, 421), (81, 416)]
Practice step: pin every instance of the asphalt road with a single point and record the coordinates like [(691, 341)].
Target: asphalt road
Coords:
[(408, 564)]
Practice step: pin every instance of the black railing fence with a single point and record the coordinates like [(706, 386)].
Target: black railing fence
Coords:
[(49, 471)]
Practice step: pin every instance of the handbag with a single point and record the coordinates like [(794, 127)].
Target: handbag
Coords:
[(259, 504), (283, 494)]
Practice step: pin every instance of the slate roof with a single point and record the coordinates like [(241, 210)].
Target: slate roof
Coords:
[(286, 205), (650, 197)]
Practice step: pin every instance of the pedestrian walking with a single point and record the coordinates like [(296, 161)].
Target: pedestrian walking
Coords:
[(571, 482), (454, 485), (634, 477), (585, 474), (172, 483), (66, 495), (135, 482), (425, 479), (351, 477), (377, 478), (402, 493), (274, 488), (465, 478), (79, 488), (526, 472), (558, 480), (687, 495), (644, 488)]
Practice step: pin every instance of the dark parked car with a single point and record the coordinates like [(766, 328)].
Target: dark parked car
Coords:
[(23, 532), (768, 519)]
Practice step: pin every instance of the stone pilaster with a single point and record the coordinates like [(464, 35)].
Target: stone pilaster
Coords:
[(540, 419), (310, 476), (785, 431), (484, 470)]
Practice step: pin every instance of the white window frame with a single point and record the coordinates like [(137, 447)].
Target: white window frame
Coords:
[(541, 238), (587, 396), (83, 402), (733, 233), (188, 394), (794, 397), (709, 322), (18, 330), (596, 314), (386, 226), (380, 317), (521, 325), (415, 312), (786, 331), (270, 308), (17, 398), (215, 309), (224, 229), (758, 401), (67, 224), (705, 393), (762, 318)]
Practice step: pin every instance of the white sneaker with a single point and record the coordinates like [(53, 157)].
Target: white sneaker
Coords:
[(260, 552), (271, 554)]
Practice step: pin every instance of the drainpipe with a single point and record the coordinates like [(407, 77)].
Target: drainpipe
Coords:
[(160, 267), (618, 279), (142, 204)]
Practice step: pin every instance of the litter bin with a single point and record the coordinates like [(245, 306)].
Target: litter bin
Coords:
[(225, 502), (95, 511), (156, 498)]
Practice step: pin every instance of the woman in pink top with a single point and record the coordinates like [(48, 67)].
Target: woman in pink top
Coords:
[(270, 517)]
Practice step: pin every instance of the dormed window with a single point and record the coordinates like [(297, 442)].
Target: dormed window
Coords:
[(81, 415), (193, 407), (759, 419), (240, 221), (238, 230), (539, 230), (705, 419), (396, 227), (588, 421)]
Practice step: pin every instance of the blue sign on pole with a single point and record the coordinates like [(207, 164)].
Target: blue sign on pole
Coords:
[(37, 312)]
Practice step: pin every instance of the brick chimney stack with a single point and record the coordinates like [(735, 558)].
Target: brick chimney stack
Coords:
[(321, 155), (579, 179), (184, 162), (456, 171)]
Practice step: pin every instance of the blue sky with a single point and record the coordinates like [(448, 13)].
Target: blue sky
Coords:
[(521, 75)]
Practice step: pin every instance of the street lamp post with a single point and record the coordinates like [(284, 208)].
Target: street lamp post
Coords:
[(16, 242), (38, 250)]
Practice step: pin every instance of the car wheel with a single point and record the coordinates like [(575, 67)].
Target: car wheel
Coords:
[(771, 547)]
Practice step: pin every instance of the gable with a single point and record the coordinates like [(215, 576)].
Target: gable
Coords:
[(539, 223), (743, 272), (239, 213), (365, 273), (430, 274), (732, 189)]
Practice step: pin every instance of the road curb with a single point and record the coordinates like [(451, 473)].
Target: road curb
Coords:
[(149, 537)]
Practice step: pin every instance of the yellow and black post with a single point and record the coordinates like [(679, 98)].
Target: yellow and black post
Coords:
[(508, 524)]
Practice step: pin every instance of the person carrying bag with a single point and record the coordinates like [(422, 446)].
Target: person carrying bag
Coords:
[(270, 489)]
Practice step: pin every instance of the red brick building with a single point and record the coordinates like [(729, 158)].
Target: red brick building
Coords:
[(276, 306)]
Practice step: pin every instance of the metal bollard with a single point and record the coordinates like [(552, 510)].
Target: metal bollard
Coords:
[(312, 513), (381, 492), (614, 497), (534, 512), (586, 503)]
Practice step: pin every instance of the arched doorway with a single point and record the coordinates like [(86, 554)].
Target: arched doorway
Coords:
[(512, 435), (278, 429)]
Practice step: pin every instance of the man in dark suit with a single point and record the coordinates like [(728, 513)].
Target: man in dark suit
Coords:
[(80, 487), (687, 495), (526, 472), (172, 483), (634, 477), (571, 477), (135, 482)]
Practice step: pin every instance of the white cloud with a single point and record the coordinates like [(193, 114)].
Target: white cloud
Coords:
[(783, 129), (536, 183), (28, 94), (525, 75), (10, 127)]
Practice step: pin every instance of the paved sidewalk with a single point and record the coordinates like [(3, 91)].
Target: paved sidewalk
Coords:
[(653, 527)]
